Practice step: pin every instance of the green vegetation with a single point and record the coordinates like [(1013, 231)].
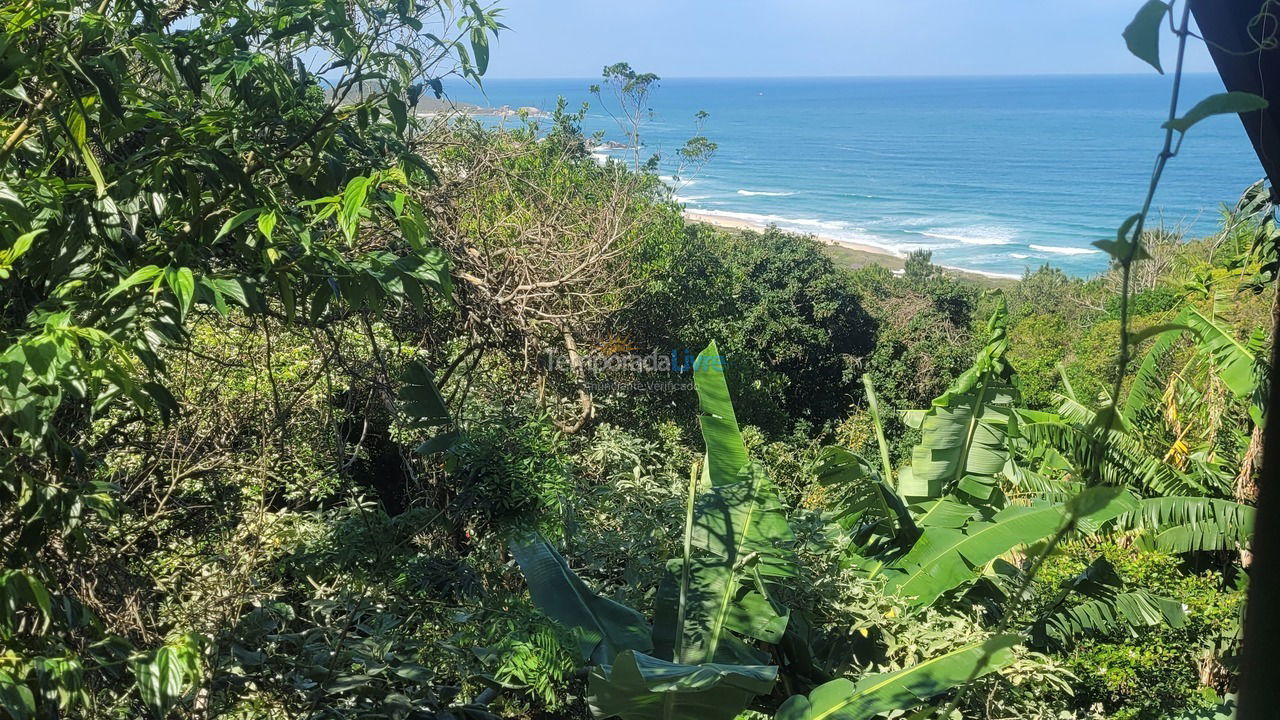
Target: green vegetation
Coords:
[(314, 408)]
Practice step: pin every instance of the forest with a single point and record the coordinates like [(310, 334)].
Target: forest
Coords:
[(314, 405)]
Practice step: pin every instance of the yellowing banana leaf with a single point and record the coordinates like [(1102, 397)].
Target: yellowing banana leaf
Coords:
[(639, 687), (880, 693)]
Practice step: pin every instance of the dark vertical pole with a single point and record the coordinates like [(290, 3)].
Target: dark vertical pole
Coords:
[(1233, 30)]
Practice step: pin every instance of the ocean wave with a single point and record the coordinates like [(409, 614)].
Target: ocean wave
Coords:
[(682, 182), (689, 198), (1060, 250), (1019, 256), (779, 220), (765, 193), (971, 236)]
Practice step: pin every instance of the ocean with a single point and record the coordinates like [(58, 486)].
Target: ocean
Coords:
[(992, 174)]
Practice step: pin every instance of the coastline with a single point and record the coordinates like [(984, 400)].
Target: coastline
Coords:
[(848, 254)]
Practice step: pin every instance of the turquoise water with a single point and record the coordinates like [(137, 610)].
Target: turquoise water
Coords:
[(991, 174)]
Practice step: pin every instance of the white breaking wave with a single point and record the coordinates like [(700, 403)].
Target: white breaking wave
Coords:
[(677, 181), (811, 224), (690, 198), (1019, 256), (766, 193), (972, 236), (1060, 250)]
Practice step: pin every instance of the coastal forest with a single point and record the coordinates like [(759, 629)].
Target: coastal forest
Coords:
[(320, 401)]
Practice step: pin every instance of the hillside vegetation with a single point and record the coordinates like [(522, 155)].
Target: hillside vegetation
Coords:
[(313, 408)]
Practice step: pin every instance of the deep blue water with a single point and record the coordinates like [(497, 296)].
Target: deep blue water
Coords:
[(991, 174)]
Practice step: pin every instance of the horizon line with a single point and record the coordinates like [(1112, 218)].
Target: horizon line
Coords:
[(948, 76)]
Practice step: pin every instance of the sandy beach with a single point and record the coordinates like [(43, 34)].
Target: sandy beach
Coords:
[(850, 254), (740, 224)]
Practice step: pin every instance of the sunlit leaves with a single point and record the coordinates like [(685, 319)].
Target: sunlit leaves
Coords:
[(876, 693), (1143, 33), (168, 673)]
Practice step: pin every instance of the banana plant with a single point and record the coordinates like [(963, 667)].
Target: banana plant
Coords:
[(945, 558), (1107, 607), (877, 693), (695, 661), (964, 432)]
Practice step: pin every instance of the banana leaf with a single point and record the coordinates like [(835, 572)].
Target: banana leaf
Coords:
[(1192, 524), (718, 604), (601, 627), (880, 693), (701, 600), (639, 687), (1107, 614), (944, 558), (744, 522), (726, 453), (966, 429), (863, 503)]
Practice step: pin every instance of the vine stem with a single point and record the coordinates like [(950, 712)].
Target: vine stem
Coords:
[(1168, 151)]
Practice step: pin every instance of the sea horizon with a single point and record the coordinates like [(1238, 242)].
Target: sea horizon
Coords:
[(996, 174)]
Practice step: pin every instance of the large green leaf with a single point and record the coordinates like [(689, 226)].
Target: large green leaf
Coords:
[(880, 693), (945, 558), (860, 500), (1112, 456), (726, 454), (744, 534), (1106, 614), (744, 522), (639, 687), (1142, 36), (718, 603), (1192, 524), (602, 627), (965, 432), (1234, 362)]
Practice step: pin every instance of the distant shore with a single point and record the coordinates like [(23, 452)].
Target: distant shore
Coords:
[(848, 254)]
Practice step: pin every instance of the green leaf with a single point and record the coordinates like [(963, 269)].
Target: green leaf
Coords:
[(236, 221), (1143, 33), (419, 397), (879, 693), (76, 126), (640, 687), (1192, 524), (160, 680), (138, 277), (602, 627), (945, 558), (966, 430), (267, 224), (399, 113), (1220, 104), (480, 48), (1109, 613), (726, 453), (353, 199), (862, 502), (183, 284), (16, 698)]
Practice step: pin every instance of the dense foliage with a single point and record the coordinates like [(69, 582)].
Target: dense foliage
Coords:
[(316, 406)]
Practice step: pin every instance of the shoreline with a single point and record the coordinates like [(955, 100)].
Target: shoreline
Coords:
[(849, 253)]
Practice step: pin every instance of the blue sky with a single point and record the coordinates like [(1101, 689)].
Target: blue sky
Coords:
[(756, 38)]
